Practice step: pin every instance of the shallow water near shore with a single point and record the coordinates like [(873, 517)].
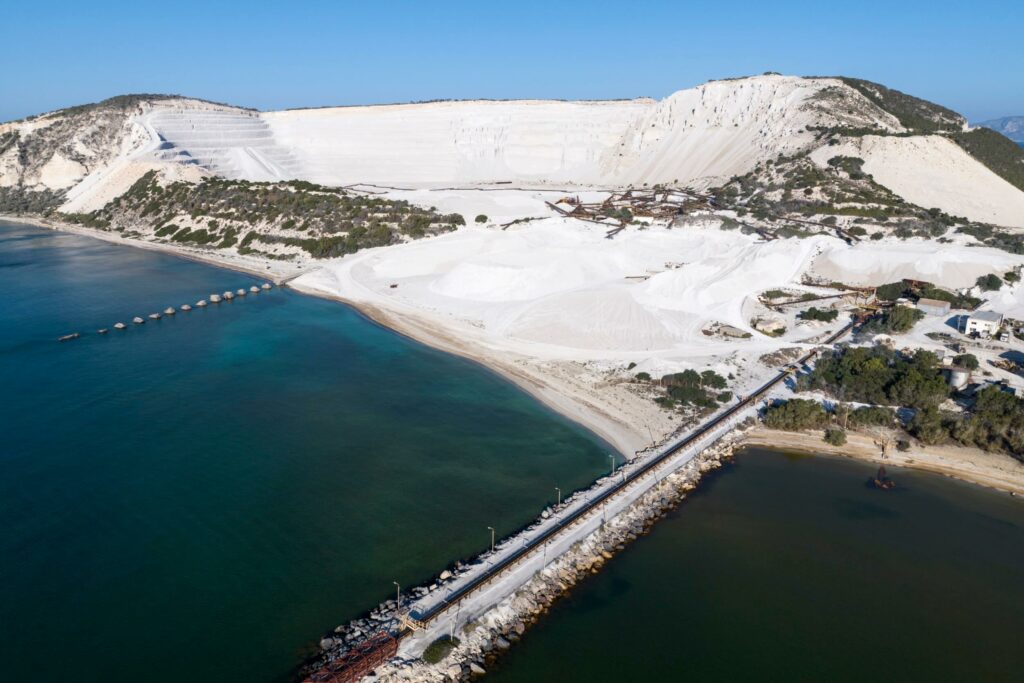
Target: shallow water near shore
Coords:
[(788, 568), (200, 498)]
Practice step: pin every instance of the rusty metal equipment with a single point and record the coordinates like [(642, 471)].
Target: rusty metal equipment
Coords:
[(357, 662)]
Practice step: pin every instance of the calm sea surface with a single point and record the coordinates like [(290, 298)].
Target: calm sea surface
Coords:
[(200, 498), (790, 569)]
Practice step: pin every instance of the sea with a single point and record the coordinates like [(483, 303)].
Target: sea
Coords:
[(202, 497), (783, 567)]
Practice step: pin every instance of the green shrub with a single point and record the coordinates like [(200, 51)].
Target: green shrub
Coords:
[(835, 436), (878, 376), (665, 402), (872, 416), (439, 649), (895, 320), (481, 218), (825, 315), (989, 283), (795, 414), (966, 360), (891, 291), (643, 376)]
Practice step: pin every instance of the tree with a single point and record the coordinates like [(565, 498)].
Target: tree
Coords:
[(872, 416), (895, 320), (710, 378), (891, 291), (822, 314), (989, 283), (966, 360), (481, 218), (795, 414), (926, 426)]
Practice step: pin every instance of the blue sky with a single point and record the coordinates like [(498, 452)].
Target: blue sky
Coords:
[(966, 55)]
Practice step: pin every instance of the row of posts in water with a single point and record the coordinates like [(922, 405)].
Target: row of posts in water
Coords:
[(170, 310)]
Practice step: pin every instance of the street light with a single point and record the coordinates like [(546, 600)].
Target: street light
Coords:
[(398, 596), (559, 492), (492, 538)]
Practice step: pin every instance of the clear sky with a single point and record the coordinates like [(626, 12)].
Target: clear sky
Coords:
[(966, 55)]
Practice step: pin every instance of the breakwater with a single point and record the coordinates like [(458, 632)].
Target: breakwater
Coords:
[(484, 626), (227, 295)]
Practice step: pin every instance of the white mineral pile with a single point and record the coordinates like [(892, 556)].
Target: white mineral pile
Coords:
[(698, 137), (556, 288)]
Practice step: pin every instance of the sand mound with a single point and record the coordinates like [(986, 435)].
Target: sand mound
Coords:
[(874, 263), (934, 172)]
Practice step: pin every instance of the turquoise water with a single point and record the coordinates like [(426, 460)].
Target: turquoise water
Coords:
[(201, 497), (790, 569)]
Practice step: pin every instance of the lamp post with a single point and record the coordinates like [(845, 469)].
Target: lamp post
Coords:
[(398, 596), (611, 459), (559, 492), (492, 538)]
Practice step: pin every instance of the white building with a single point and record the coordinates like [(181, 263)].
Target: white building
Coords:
[(983, 323)]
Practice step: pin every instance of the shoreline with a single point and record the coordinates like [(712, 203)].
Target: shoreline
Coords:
[(558, 396), (525, 375), (995, 471), (992, 470), (270, 270)]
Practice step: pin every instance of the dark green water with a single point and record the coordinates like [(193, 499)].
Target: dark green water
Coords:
[(790, 569), (200, 498)]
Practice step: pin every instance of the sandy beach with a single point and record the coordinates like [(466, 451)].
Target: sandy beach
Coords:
[(994, 470), (628, 422)]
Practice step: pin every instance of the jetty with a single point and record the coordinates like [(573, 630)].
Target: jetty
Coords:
[(466, 595)]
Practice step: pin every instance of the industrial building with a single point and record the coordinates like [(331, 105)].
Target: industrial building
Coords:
[(983, 323), (933, 306)]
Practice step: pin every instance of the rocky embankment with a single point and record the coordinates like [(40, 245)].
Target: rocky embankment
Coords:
[(483, 640)]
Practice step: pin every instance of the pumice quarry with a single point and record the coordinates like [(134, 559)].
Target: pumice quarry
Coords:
[(821, 264)]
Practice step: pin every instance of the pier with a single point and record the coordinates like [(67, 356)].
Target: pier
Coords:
[(500, 572)]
